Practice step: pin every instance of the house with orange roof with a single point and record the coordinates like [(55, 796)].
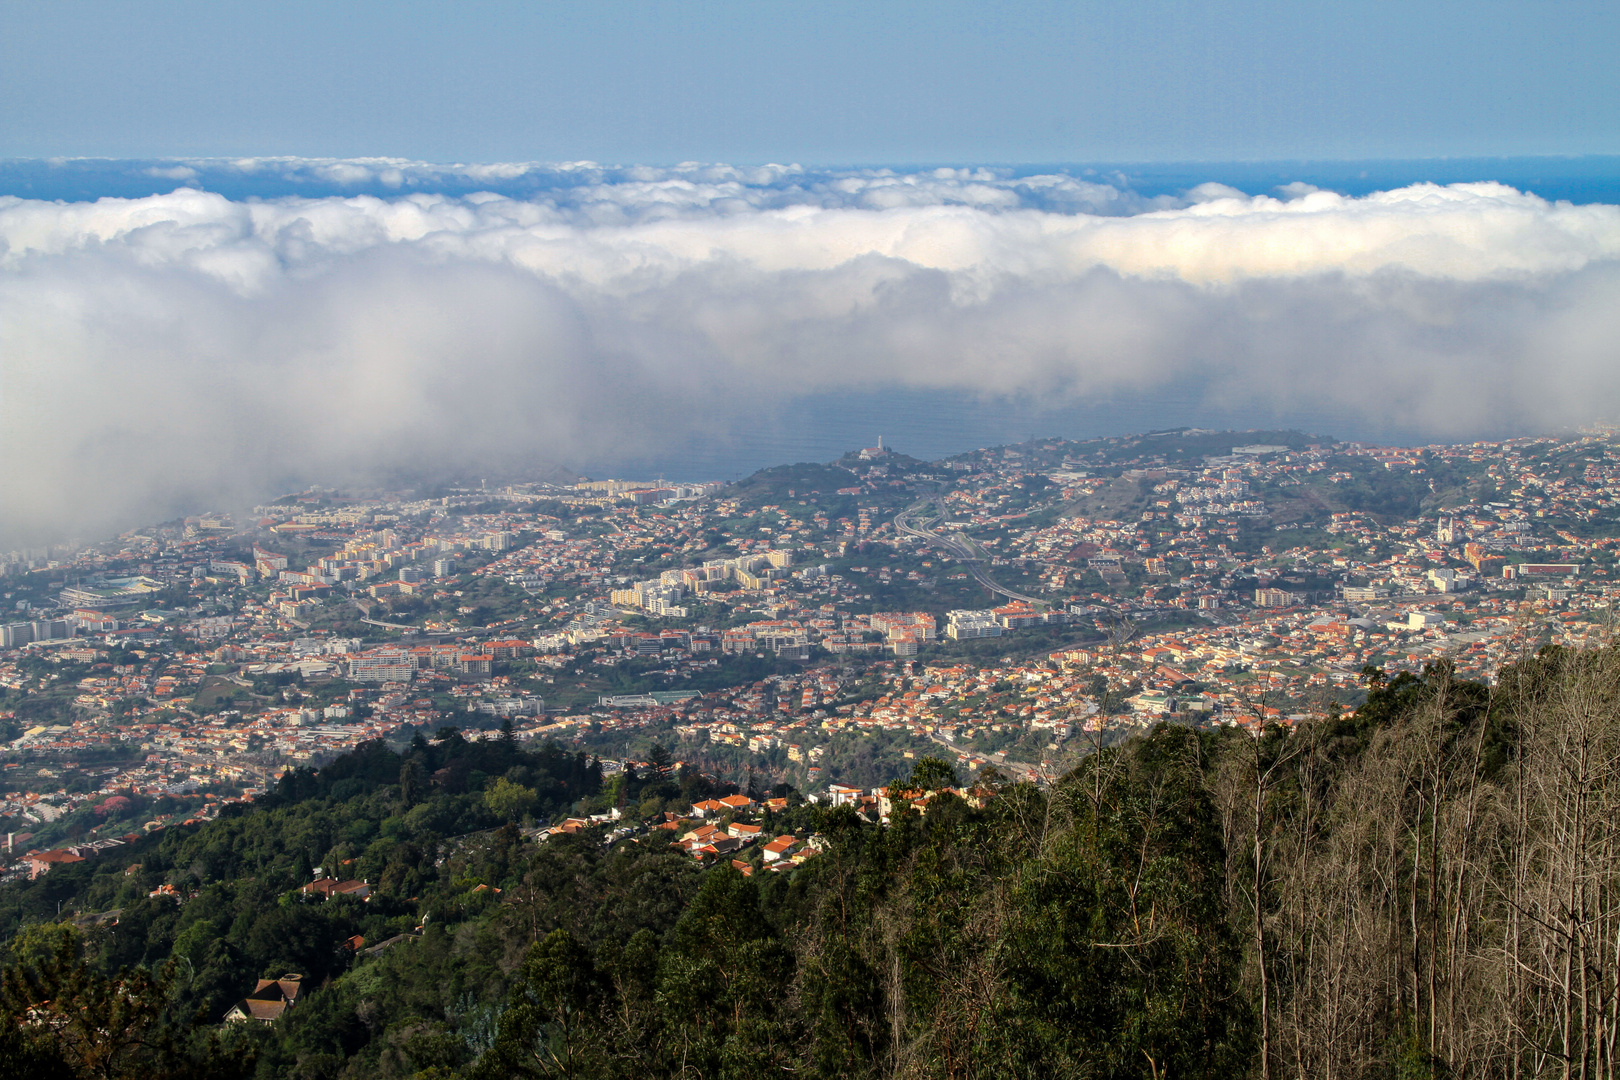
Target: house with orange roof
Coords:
[(268, 1001), (701, 835), (780, 848), (42, 862), (330, 887)]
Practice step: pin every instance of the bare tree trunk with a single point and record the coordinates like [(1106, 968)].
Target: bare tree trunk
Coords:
[(1257, 884)]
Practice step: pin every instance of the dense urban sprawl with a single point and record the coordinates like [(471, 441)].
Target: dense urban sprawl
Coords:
[(819, 626)]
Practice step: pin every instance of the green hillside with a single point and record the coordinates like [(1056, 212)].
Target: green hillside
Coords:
[(1404, 892)]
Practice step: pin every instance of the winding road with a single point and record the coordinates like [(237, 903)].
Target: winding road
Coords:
[(466, 632), (958, 547)]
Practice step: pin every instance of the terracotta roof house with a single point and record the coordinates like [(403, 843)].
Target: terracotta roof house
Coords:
[(780, 848), (701, 835), (330, 887), (42, 862), (268, 1001)]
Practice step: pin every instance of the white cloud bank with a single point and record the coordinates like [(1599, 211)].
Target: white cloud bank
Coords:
[(163, 352), (624, 193)]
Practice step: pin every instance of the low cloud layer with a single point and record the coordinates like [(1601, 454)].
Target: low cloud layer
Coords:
[(167, 352)]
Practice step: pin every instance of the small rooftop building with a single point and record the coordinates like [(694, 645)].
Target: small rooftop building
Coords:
[(268, 1001)]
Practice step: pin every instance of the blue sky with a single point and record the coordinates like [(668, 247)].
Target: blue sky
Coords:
[(814, 82), (248, 247)]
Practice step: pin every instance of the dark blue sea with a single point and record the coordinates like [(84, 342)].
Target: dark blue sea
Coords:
[(1576, 179)]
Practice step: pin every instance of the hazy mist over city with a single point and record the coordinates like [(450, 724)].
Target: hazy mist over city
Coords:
[(299, 266), (179, 349)]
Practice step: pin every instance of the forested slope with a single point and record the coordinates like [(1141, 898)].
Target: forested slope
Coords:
[(1426, 888)]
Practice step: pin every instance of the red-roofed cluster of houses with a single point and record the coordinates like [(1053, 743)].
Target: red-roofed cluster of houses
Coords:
[(734, 804), (329, 887), (705, 841), (701, 835), (880, 803)]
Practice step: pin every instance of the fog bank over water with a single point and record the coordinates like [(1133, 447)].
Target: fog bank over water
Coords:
[(931, 424), (163, 352)]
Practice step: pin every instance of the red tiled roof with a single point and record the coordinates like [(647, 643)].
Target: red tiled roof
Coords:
[(266, 1011)]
